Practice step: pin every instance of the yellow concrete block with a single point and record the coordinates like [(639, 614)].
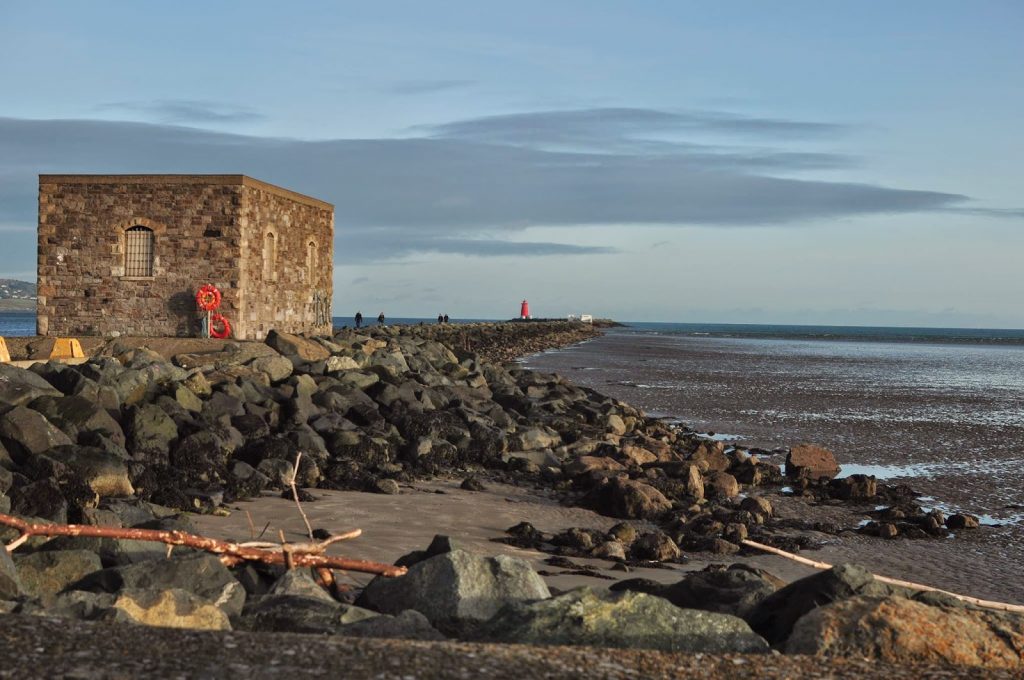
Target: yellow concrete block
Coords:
[(67, 348), (5, 356)]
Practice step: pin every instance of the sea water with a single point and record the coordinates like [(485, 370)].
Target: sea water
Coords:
[(19, 324), (939, 409)]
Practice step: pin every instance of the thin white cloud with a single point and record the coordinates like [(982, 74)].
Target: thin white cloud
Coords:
[(184, 111), (449, 194)]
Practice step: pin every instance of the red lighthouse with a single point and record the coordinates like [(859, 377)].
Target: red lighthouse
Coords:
[(524, 311)]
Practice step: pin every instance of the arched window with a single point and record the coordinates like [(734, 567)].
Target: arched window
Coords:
[(138, 251), (311, 262), (270, 256)]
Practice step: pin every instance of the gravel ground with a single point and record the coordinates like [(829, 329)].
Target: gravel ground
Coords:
[(35, 647)]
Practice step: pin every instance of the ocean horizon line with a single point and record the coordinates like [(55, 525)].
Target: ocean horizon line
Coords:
[(15, 323)]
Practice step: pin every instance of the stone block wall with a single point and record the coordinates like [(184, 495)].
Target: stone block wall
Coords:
[(293, 294), (202, 229)]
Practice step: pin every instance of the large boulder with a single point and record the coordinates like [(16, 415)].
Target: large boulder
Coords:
[(628, 499), (721, 485), (187, 399), (736, 590), (456, 590), (277, 368), (150, 432), (18, 386), (295, 345), (202, 574), (170, 608), (902, 631), (626, 619), (77, 414), (393, 363), (774, 617), (532, 439), (587, 465), (811, 461), (854, 488), (656, 546), (357, 380), (44, 498), (337, 364), (711, 455), (131, 386), (104, 473), (757, 505), (28, 432), (48, 572), (203, 454), (222, 405), (954, 522), (694, 482)]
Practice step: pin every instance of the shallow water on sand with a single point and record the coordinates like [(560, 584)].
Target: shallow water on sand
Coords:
[(946, 419)]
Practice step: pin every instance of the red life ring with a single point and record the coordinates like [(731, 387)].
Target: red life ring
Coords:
[(208, 298), (225, 330)]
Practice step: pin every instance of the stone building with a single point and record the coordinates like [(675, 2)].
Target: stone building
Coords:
[(127, 253)]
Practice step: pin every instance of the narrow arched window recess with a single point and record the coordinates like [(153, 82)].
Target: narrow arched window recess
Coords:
[(138, 251), (270, 256), (311, 262)]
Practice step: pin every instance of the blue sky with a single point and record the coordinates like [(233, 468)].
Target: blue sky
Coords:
[(799, 162)]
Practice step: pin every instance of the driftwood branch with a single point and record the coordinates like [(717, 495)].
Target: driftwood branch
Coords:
[(296, 554), (295, 495), (989, 604)]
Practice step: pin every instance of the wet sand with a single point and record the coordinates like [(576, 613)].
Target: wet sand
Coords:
[(888, 411), (394, 525)]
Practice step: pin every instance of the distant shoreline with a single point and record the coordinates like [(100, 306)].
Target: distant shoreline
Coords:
[(17, 306)]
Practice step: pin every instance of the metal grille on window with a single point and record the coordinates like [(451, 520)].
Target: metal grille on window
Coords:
[(138, 252)]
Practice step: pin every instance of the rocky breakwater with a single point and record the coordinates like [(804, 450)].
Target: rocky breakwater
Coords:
[(131, 439), (495, 342)]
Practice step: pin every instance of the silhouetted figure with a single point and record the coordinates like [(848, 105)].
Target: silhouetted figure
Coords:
[(440, 319), (446, 318), (359, 319), (380, 319)]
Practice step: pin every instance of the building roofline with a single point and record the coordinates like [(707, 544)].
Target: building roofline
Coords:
[(221, 180)]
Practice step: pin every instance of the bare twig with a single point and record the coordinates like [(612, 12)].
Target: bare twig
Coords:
[(298, 555), (892, 581), (313, 548), (16, 543), (295, 495), (286, 550)]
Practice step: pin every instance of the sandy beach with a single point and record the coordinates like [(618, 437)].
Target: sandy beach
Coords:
[(395, 525)]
